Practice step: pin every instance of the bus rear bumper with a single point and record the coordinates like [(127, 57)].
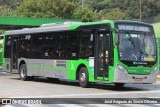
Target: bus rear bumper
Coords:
[(123, 77)]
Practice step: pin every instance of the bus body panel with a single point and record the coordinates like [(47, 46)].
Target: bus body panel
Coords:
[(73, 69), (123, 77), (63, 69), (46, 68)]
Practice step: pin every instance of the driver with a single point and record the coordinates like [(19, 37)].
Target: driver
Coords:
[(127, 52)]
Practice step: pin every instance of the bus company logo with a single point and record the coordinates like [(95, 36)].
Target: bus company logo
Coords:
[(140, 63), (6, 101), (61, 63), (134, 63)]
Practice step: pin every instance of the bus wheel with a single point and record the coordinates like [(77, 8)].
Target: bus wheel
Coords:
[(119, 85), (23, 72), (83, 78)]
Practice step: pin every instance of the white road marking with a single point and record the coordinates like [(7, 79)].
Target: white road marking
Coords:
[(103, 105), (137, 105), (69, 105), (84, 105), (91, 94), (8, 106)]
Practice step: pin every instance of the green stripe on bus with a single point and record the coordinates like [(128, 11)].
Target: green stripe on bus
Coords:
[(47, 67)]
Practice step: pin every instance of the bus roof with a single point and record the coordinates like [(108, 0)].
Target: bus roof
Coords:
[(53, 27), (66, 26)]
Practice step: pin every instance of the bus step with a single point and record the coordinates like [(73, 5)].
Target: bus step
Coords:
[(101, 81)]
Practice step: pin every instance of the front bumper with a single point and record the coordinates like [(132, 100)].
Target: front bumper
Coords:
[(123, 77)]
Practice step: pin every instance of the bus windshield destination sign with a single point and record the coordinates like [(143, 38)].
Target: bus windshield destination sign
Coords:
[(134, 28)]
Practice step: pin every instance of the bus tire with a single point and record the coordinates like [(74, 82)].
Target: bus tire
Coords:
[(83, 77), (23, 72), (119, 85)]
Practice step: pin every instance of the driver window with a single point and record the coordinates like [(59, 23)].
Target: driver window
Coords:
[(149, 49)]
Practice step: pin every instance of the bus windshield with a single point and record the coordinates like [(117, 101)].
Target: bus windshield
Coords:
[(137, 47)]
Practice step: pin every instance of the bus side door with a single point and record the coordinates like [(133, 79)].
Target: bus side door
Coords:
[(102, 44), (14, 54)]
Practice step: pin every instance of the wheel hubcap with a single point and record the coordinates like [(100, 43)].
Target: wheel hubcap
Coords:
[(82, 77), (23, 72)]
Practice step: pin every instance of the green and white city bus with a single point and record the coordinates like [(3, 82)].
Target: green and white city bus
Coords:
[(109, 51)]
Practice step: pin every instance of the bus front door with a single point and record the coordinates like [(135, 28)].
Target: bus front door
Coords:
[(102, 41), (14, 54)]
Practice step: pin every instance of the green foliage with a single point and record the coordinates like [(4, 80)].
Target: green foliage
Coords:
[(9, 2), (45, 9), (97, 4), (114, 14), (92, 9), (55, 9), (149, 9), (1, 31), (85, 14), (6, 6), (3, 10)]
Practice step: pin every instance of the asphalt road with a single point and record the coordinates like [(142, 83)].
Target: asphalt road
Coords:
[(12, 87)]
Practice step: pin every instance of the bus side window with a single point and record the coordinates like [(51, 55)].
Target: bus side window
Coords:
[(60, 52), (86, 46), (25, 46), (89, 51), (37, 45), (8, 47), (73, 44)]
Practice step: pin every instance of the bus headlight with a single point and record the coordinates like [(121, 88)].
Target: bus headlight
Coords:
[(121, 68), (154, 71)]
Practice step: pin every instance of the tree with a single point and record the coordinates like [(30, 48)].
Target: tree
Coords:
[(86, 14), (45, 9), (97, 5), (9, 2), (114, 14), (149, 9), (93, 10), (4, 10)]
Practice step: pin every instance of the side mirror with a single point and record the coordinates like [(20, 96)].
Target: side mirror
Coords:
[(116, 39)]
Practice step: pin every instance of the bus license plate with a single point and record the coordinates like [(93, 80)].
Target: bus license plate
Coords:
[(139, 79)]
